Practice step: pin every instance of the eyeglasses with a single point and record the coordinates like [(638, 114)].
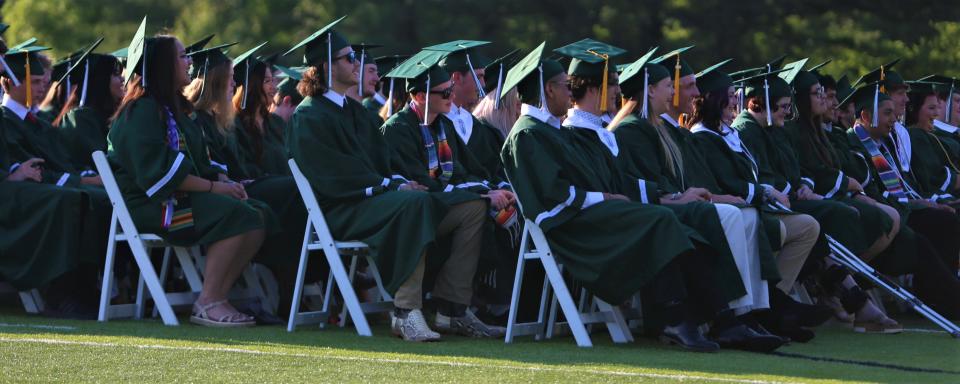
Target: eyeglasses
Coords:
[(444, 94), (565, 84), (350, 56), (778, 107), (819, 93)]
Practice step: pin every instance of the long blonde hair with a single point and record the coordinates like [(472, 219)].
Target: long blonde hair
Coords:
[(501, 118), (215, 99)]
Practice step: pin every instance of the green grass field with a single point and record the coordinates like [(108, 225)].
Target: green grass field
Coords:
[(35, 349)]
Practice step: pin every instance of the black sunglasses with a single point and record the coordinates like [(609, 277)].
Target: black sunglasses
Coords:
[(444, 94), (351, 57)]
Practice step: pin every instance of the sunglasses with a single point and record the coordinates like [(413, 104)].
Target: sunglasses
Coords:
[(351, 57), (444, 94)]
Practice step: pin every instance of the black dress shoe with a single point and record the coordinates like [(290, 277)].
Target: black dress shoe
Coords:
[(688, 336), (743, 338), (755, 326)]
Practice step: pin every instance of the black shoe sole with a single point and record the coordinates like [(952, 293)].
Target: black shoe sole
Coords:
[(671, 341), (764, 344)]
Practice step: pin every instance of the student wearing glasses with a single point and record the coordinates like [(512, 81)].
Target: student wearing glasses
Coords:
[(84, 119)]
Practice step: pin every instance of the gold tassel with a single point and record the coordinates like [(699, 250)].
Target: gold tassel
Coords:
[(676, 83), (883, 76), (27, 80), (603, 87)]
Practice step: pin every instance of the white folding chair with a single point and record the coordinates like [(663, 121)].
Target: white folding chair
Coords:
[(122, 229), (534, 247), (32, 302), (317, 237)]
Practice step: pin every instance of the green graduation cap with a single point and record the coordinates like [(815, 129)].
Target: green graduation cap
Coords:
[(713, 79), (120, 53), (885, 75), (923, 88), (291, 77), (320, 46), (242, 65), (638, 76), (21, 64), (794, 70), (530, 74), (457, 58), (198, 45), (948, 86), (86, 60), (591, 58), (844, 89), (494, 73), (3, 27), (680, 69), (289, 73), (772, 86), (867, 96), (205, 59), (422, 72), (270, 60), (365, 59), (27, 43), (386, 64), (140, 47), (60, 68)]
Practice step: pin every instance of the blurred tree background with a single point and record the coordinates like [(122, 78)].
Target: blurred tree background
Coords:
[(858, 35)]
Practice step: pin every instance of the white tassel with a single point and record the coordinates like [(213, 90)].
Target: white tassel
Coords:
[(203, 77), (543, 92), (646, 85), (360, 86), (476, 79), (6, 68), (329, 60), (766, 100), (426, 102), (86, 78), (876, 99), (66, 95), (246, 86), (143, 67), (496, 104), (390, 100), (949, 105)]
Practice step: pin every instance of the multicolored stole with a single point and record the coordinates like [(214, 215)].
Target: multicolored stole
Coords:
[(882, 162), (177, 211), (439, 154)]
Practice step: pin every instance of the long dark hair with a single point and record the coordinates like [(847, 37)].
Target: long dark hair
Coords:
[(257, 106), (98, 91), (913, 107), (161, 76), (708, 110), (814, 139)]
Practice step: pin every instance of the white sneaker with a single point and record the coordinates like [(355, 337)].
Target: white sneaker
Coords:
[(413, 327)]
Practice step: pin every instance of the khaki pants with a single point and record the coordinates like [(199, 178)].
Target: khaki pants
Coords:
[(798, 234), (455, 280)]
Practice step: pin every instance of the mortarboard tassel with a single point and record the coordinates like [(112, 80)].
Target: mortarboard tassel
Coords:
[(876, 99), (143, 67), (86, 78), (329, 60), (29, 89), (66, 95), (476, 79), (426, 101), (883, 78), (604, 87), (676, 83), (246, 86), (949, 104), (766, 100), (363, 54), (496, 103), (390, 100), (203, 77), (543, 92), (6, 68), (646, 82)]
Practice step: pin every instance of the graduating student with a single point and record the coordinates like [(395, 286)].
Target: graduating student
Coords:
[(396, 94), (774, 149), (286, 100), (348, 163), (47, 232), (84, 119), (605, 240), (948, 93), (650, 149), (368, 75), (233, 142), (931, 157), (168, 183), (59, 91), (931, 227), (737, 173), (498, 112)]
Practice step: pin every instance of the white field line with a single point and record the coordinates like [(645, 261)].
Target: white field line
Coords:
[(40, 326), (382, 360)]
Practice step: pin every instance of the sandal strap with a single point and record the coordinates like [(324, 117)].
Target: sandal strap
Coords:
[(201, 311)]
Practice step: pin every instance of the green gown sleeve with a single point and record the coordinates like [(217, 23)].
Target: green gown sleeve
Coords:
[(83, 132), (737, 176)]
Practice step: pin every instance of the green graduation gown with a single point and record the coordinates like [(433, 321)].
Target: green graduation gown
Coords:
[(614, 247), (41, 228), (484, 142), (930, 162), (780, 166), (639, 159), (373, 105), (278, 191), (148, 171), (263, 152), (83, 132), (48, 114), (347, 161)]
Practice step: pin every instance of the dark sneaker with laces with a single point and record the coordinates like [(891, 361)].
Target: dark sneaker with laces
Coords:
[(467, 325)]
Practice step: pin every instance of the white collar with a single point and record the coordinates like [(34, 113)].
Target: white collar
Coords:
[(379, 98), (581, 119), (540, 114), (335, 97), (606, 117), (670, 120), (15, 107), (462, 121), (730, 136), (828, 127), (904, 146), (944, 126)]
